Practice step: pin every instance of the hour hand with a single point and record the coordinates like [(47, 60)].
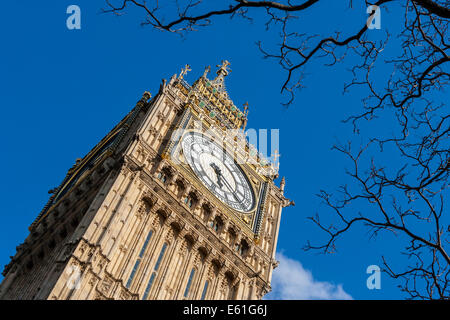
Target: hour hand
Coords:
[(215, 168), (219, 182), (218, 173)]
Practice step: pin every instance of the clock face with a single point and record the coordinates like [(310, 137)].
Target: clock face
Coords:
[(218, 171)]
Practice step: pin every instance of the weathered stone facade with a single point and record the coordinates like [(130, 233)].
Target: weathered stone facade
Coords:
[(130, 223)]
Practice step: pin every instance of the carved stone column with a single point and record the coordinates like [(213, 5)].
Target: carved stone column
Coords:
[(224, 230), (186, 191), (198, 206), (172, 180)]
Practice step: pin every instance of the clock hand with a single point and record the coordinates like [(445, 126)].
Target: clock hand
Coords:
[(218, 173), (215, 168), (232, 192), (218, 181)]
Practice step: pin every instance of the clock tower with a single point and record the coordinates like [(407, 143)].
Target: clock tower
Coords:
[(174, 203)]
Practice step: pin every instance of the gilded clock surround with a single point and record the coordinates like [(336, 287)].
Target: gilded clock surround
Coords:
[(133, 191), (241, 219)]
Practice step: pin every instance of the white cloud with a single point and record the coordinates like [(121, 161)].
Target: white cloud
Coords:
[(291, 281)]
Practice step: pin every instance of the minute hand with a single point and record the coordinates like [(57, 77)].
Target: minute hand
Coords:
[(232, 192)]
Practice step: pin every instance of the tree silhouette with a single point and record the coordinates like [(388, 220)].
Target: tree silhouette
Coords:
[(406, 199)]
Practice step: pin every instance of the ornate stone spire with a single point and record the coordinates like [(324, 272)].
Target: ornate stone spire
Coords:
[(223, 69), (184, 71), (207, 69), (245, 116), (219, 80), (282, 184), (276, 162)]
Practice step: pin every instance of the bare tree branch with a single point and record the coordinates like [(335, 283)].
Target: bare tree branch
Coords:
[(405, 197)]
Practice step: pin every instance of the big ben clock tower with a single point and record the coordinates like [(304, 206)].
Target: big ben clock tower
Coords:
[(174, 203)]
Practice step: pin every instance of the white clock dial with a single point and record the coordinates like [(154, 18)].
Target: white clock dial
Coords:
[(218, 171)]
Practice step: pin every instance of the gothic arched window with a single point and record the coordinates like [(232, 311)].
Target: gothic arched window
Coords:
[(190, 200), (155, 271), (205, 290), (217, 224), (188, 286), (242, 248), (164, 175), (138, 261)]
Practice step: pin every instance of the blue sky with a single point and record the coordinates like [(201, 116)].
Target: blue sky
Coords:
[(62, 90)]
